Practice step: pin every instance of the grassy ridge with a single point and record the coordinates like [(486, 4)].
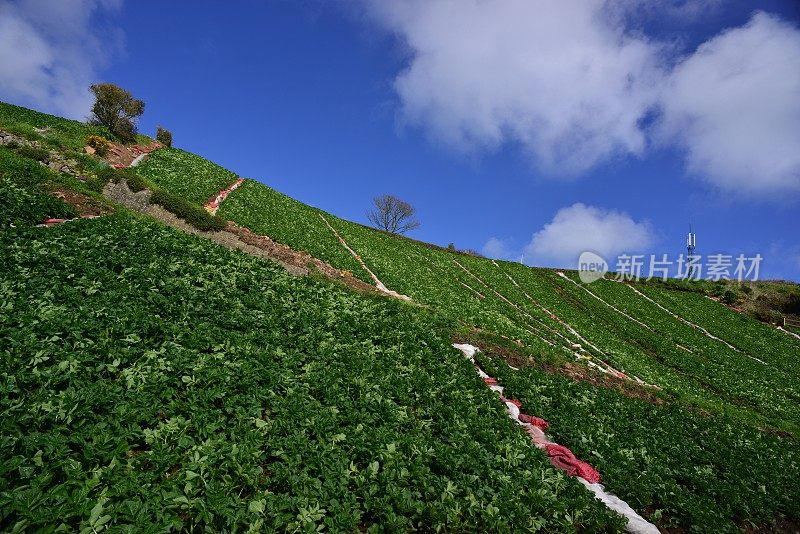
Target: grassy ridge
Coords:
[(58, 132), (23, 190), (712, 375), (155, 381)]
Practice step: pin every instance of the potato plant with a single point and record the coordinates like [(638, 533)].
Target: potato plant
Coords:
[(155, 381)]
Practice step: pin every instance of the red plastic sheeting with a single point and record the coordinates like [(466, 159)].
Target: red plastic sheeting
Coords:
[(563, 458), (222, 195), (535, 421), (490, 381)]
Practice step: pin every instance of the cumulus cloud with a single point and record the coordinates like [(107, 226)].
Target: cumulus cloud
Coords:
[(50, 52), (576, 83), (499, 249), (559, 77), (734, 105), (579, 228)]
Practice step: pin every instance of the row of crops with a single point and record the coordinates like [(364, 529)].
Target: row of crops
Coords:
[(685, 470), (155, 381), (521, 303)]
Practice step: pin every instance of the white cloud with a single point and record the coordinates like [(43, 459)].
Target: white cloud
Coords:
[(580, 228), (576, 82), (50, 52), (499, 249), (735, 106), (559, 77)]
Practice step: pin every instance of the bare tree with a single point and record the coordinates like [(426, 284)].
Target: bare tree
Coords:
[(392, 215)]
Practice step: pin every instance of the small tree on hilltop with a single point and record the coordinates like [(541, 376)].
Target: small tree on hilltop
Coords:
[(392, 215), (116, 109), (164, 136)]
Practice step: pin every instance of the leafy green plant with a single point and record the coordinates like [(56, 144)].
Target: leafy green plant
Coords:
[(176, 385), (658, 457), (36, 126), (23, 190)]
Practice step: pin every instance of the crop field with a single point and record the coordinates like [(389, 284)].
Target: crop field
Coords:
[(287, 221), (706, 473), (516, 301), (194, 178), (156, 381)]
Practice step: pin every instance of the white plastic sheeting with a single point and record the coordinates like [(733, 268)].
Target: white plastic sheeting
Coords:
[(695, 326), (380, 285), (601, 299), (787, 332), (636, 523)]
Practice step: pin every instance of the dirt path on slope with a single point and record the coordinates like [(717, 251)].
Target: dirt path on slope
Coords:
[(236, 237)]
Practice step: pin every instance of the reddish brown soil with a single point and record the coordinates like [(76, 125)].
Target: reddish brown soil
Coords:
[(286, 255), (120, 155), (575, 371), (84, 205)]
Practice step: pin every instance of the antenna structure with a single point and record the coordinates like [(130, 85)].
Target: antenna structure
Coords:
[(691, 243)]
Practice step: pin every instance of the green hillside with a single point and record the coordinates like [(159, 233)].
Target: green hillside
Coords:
[(156, 381)]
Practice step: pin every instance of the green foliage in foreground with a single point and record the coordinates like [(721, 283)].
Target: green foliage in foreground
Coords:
[(680, 468), (24, 199), (191, 177), (155, 381)]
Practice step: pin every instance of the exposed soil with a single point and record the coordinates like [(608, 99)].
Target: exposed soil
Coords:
[(237, 237), (575, 371), (120, 155), (782, 524), (288, 256), (84, 205)]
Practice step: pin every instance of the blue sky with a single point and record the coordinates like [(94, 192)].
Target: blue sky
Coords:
[(513, 128)]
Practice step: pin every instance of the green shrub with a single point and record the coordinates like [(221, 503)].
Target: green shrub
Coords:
[(729, 297), (109, 174), (191, 213), (25, 200), (135, 182), (22, 170), (164, 136), (32, 152), (99, 143)]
